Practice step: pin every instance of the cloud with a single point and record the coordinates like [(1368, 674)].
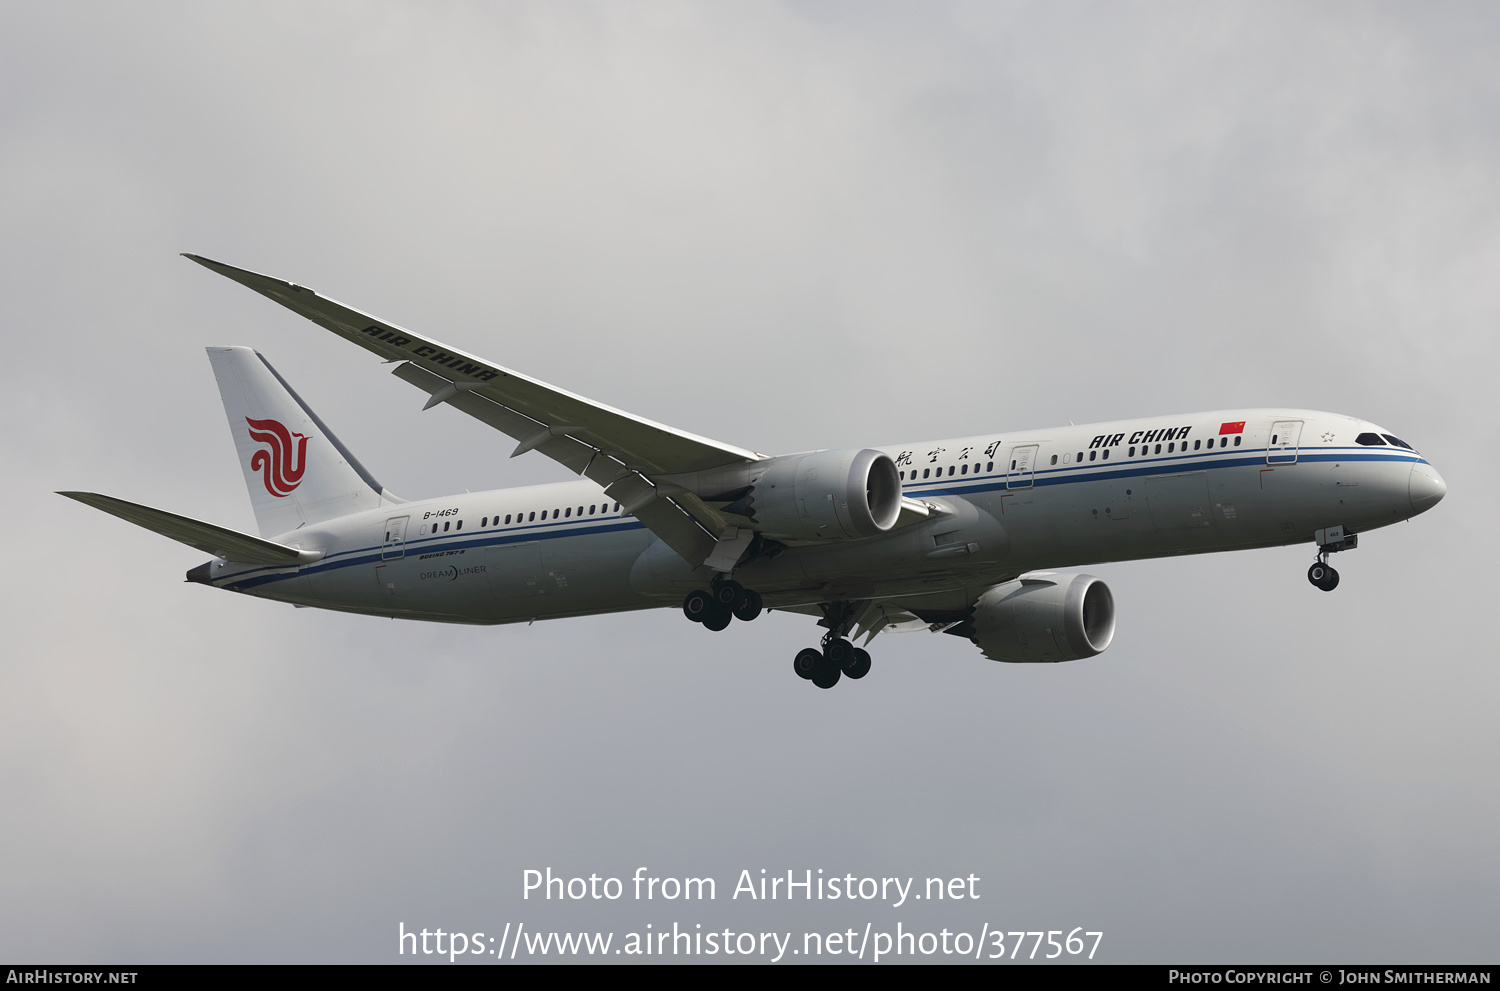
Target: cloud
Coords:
[(788, 227)]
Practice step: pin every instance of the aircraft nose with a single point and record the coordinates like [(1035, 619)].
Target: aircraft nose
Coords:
[(1426, 487)]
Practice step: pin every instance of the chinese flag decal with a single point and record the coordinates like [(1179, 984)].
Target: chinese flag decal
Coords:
[(1232, 428)]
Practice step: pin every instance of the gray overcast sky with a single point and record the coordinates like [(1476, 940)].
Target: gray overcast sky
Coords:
[(785, 226)]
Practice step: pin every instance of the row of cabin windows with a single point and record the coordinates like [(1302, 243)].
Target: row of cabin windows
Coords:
[(1093, 456), (564, 513), (1171, 446), (1097, 456), (1145, 449), (962, 469)]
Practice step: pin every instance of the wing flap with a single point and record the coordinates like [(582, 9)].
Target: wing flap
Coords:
[(663, 517), (232, 545)]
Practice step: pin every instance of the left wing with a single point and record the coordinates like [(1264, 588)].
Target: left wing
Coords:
[(623, 453), (220, 541)]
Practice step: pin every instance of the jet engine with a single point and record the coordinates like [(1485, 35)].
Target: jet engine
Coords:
[(1044, 618), (826, 495)]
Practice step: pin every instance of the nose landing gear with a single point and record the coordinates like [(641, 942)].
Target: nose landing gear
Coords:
[(1323, 575), (1329, 539)]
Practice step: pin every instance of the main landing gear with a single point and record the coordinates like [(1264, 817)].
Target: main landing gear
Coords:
[(724, 601), (838, 658), (1329, 539)]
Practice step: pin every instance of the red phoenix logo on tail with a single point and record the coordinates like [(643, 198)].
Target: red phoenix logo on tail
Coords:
[(277, 464)]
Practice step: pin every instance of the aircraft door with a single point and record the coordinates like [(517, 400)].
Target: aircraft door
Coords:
[(1022, 467), (1282, 446), (395, 538)]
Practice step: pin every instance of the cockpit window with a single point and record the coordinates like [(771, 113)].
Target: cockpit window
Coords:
[(1398, 442), (1370, 440)]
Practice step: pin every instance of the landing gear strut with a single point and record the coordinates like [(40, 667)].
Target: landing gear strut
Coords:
[(1330, 539)]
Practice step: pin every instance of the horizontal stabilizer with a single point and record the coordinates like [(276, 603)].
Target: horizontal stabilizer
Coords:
[(216, 540)]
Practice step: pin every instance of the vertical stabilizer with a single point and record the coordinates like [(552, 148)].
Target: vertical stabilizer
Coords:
[(295, 468)]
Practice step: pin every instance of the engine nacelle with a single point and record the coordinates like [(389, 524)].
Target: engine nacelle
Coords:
[(1044, 618), (827, 495)]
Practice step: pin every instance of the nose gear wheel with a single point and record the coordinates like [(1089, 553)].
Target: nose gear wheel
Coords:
[(1323, 576)]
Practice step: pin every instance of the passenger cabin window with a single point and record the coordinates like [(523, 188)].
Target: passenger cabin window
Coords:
[(1106, 454), (1093, 455), (1054, 459), (460, 525), (1132, 452), (1237, 441)]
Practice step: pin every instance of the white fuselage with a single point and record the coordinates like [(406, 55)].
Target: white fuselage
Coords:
[(1004, 504)]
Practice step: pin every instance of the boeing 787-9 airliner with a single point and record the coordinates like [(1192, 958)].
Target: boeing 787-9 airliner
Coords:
[(962, 536)]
